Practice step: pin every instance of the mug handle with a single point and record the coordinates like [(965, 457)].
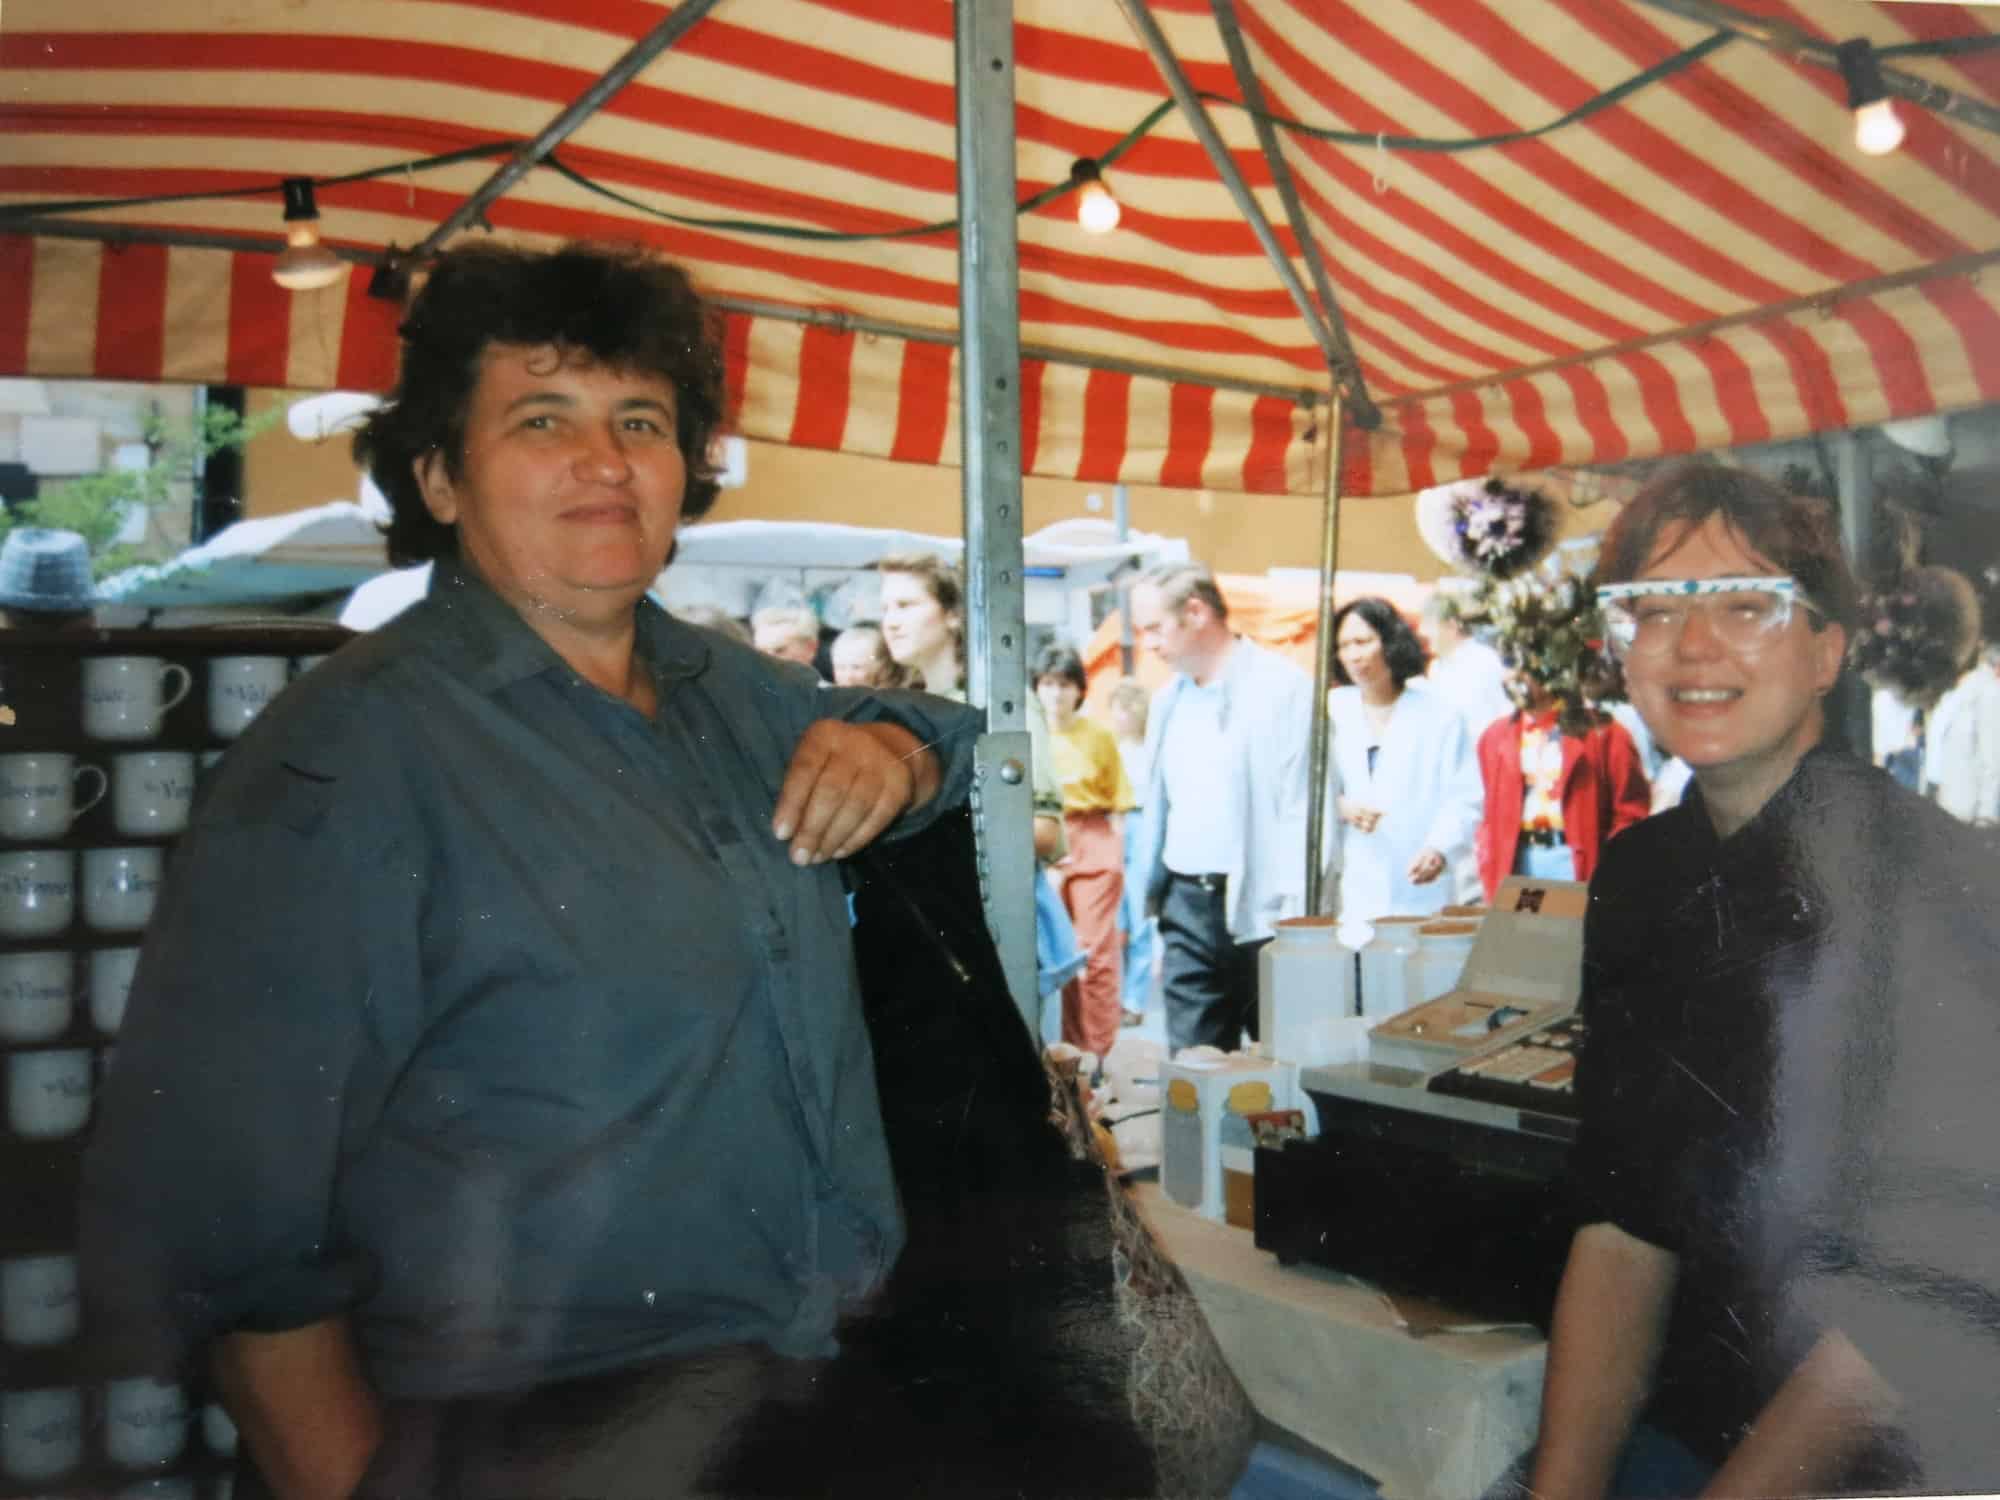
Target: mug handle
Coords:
[(103, 785), (167, 673)]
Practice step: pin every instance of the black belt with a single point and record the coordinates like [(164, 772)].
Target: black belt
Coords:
[(1543, 838), (1206, 882)]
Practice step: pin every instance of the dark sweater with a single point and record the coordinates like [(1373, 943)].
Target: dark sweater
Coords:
[(1790, 1084)]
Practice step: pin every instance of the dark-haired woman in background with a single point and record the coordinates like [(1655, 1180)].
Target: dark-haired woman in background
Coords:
[(1408, 793)]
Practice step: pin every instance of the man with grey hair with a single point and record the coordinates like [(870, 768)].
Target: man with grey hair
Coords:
[(1224, 856), (1467, 671)]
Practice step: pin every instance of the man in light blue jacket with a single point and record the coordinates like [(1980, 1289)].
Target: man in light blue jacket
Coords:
[(1224, 858)]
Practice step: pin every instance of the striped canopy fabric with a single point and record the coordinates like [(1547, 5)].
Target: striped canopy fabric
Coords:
[(1702, 261)]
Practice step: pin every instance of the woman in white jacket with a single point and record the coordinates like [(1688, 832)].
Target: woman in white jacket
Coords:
[(1410, 792)]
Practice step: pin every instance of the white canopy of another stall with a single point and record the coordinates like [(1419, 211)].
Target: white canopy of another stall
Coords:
[(737, 565), (268, 562)]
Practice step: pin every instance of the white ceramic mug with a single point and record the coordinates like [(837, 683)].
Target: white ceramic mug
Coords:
[(145, 1422), (39, 795), (151, 792), (238, 689), (110, 986), (41, 1432), (38, 1300), (37, 994), (37, 892), (120, 887), (48, 1093), (303, 664), (127, 697)]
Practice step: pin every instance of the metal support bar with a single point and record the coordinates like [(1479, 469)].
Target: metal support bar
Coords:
[(1003, 805), (558, 130), (1121, 515), (1191, 108), (1825, 302), (141, 234), (1348, 375), (816, 317), (1789, 41), (1322, 726), (996, 597), (1854, 478)]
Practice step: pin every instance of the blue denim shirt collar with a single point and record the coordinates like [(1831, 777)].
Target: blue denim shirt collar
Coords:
[(501, 648)]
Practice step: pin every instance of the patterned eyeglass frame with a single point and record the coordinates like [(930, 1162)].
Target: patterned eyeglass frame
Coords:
[(1784, 587)]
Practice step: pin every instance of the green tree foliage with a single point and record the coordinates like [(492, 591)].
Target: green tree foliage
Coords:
[(95, 506)]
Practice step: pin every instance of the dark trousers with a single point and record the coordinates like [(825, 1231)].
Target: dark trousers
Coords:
[(1209, 979), (655, 1433)]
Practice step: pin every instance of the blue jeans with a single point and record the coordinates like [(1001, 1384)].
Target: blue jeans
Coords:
[(1142, 933), (1540, 863)]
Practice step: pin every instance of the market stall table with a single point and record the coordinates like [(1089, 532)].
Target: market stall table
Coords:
[(1386, 1386)]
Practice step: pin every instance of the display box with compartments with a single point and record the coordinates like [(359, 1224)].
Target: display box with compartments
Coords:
[(1206, 1110)]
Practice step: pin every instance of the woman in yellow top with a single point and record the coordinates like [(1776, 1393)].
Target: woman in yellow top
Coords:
[(1096, 794)]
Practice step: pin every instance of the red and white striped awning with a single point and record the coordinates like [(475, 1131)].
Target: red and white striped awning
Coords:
[(1706, 262)]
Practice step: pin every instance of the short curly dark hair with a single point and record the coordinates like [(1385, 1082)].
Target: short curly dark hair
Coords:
[(1400, 647), (1059, 661), (616, 305)]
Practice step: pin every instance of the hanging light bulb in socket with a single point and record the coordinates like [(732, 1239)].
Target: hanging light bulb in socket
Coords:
[(1096, 209), (1878, 129), (305, 264)]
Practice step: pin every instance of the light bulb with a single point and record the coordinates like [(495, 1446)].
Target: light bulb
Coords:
[(306, 265), (1878, 129), (1096, 209)]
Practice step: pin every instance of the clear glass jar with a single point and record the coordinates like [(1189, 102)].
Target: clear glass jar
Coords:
[(1305, 983), (1442, 949), (1385, 978)]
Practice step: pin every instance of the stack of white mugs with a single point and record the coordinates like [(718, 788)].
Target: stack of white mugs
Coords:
[(75, 898)]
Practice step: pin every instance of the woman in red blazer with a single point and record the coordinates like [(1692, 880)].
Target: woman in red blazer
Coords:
[(1584, 781)]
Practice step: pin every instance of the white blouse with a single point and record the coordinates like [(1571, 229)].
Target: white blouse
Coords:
[(1425, 783)]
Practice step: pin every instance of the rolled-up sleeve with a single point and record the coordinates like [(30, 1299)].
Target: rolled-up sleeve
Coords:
[(267, 1016)]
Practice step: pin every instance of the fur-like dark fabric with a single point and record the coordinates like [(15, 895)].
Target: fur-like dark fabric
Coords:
[(993, 1365)]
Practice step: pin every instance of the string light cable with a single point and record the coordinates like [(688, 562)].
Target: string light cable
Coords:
[(20, 217)]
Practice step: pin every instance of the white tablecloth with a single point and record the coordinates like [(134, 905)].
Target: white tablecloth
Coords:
[(1428, 1415)]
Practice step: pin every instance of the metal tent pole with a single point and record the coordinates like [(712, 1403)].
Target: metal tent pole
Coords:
[(1322, 726), (1121, 511), (558, 130), (989, 317), (1790, 41), (1348, 374), (1338, 356), (1852, 711), (845, 322)]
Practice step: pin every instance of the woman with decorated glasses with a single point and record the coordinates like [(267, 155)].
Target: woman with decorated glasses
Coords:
[(1788, 1276)]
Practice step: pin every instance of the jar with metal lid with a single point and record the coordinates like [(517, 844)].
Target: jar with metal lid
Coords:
[(1305, 983)]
